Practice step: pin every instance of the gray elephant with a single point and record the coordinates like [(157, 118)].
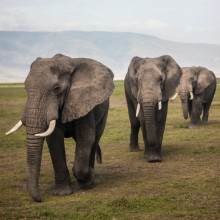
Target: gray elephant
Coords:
[(196, 89), (149, 84), (66, 98)]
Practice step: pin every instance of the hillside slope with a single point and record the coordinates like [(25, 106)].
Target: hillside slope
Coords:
[(114, 49)]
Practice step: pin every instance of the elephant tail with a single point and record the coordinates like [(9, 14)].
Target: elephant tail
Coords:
[(98, 154)]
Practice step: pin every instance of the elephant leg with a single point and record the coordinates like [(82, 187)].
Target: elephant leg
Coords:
[(160, 130), (146, 145), (197, 108), (57, 151), (135, 126), (205, 115), (85, 139), (206, 108), (190, 107), (96, 148)]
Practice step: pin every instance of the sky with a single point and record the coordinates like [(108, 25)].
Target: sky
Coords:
[(196, 21)]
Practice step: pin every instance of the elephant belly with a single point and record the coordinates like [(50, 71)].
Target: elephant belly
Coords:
[(69, 130)]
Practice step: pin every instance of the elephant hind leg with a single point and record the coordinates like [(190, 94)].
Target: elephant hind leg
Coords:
[(206, 108), (210, 92), (205, 113), (96, 149)]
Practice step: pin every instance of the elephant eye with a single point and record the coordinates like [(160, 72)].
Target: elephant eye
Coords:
[(56, 88)]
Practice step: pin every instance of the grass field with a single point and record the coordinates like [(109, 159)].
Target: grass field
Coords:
[(184, 186)]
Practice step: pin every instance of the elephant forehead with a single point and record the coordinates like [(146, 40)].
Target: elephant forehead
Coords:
[(149, 72), (40, 78)]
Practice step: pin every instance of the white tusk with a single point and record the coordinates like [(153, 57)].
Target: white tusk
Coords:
[(48, 131), (191, 96), (159, 105), (138, 109), (15, 128), (175, 96)]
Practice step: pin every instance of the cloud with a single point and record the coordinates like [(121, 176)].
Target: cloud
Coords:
[(194, 30), (13, 74), (156, 24)]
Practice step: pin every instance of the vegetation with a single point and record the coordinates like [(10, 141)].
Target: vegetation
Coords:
[(184, 186)]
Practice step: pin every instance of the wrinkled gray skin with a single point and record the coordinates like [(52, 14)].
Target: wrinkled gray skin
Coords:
[(74, 92), (202, 83), (148, 81)]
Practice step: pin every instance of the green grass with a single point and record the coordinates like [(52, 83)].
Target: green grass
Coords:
[(184, 186)]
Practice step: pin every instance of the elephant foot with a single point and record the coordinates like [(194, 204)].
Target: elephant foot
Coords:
[(204, 122), (193, 125), (63, 189), (85, 181), (134, 148), (153, 156)]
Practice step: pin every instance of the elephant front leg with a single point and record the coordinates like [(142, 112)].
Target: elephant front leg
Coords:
[(135, 126), (85, 139), (161, 122), (197, 108), (81, 170), (133, 146), (57, 151)]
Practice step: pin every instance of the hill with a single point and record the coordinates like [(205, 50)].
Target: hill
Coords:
[(114, 49)]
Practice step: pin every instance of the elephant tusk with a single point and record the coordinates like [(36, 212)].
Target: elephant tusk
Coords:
[(138, 109), (48, 131), (15, 128), (191, 96), (159, 105), (174, 96)]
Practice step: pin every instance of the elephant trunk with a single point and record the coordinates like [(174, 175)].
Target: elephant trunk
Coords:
[(34, 152), (149, 119), (35, 120), (185, 110)]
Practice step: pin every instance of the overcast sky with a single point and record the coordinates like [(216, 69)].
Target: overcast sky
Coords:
[(177, 20)]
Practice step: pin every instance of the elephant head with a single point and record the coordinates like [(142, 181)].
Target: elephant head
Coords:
[(193, 82), (59, 89), (152, 81)]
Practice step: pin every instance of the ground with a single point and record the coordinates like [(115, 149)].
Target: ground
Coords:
[(184, 186)]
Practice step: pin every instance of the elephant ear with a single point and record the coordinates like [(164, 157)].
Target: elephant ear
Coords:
[(173, 74), (205, 78), (132, 74), (91, 84)]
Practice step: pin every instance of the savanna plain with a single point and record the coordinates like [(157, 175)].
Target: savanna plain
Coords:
[(185, 185)]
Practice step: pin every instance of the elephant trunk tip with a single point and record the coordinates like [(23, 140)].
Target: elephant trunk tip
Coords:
[(35, 196), (185, 116)]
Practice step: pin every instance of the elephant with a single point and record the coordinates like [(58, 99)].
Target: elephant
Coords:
[(196, 89), (149, 83), (67, 97)]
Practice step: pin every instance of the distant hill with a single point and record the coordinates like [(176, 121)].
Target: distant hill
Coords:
[(114, 49)]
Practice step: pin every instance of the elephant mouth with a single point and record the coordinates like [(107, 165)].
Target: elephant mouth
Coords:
[(49, 131), (139, 106)]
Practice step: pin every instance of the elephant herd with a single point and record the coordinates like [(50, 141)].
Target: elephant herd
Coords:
[(69, 97)]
